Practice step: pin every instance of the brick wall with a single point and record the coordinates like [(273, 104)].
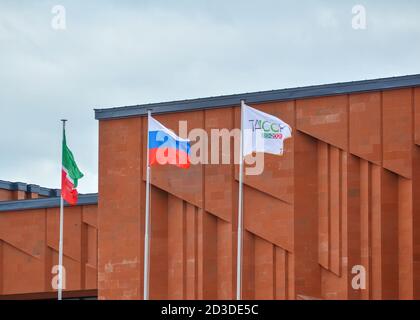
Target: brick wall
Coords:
[(345, 193), (29, 250)]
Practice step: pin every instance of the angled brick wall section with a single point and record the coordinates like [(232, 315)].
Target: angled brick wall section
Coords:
[(29, 250)]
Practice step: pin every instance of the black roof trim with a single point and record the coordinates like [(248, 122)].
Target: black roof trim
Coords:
[(20, 186), (43, 203), (261, 97)]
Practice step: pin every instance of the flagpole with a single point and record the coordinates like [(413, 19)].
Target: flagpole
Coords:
[(147, 220), (60, 245), (240, 214)]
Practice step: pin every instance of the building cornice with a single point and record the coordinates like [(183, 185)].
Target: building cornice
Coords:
[(261, 97)]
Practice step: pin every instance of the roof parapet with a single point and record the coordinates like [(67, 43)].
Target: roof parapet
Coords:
[(261, 97), (43, 203), (31, 188)]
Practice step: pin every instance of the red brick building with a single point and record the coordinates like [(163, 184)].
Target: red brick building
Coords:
[(345, 193), (29, 221)]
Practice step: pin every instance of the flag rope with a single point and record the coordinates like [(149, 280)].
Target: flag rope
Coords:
[(146, 257), (240, 215)]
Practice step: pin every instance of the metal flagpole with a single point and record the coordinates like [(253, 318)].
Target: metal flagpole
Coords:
[(147, 222), (240, 213), (60, 245)]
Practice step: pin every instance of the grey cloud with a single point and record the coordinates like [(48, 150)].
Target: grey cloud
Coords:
[(124, 52)]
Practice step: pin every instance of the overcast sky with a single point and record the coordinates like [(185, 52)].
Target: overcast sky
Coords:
[(116, 53)]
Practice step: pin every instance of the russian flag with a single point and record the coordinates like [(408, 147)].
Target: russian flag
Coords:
[(165, 147)]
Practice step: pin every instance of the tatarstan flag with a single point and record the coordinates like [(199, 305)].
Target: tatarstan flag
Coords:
[(70, 174)]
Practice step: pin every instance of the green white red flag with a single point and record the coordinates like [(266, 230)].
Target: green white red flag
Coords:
[(70, 174)]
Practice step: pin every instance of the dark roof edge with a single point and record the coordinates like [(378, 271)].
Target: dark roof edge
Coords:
[(20, 205), (20, 186), (261, 97)]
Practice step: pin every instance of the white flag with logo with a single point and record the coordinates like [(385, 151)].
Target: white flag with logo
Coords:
[(263, 132)]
